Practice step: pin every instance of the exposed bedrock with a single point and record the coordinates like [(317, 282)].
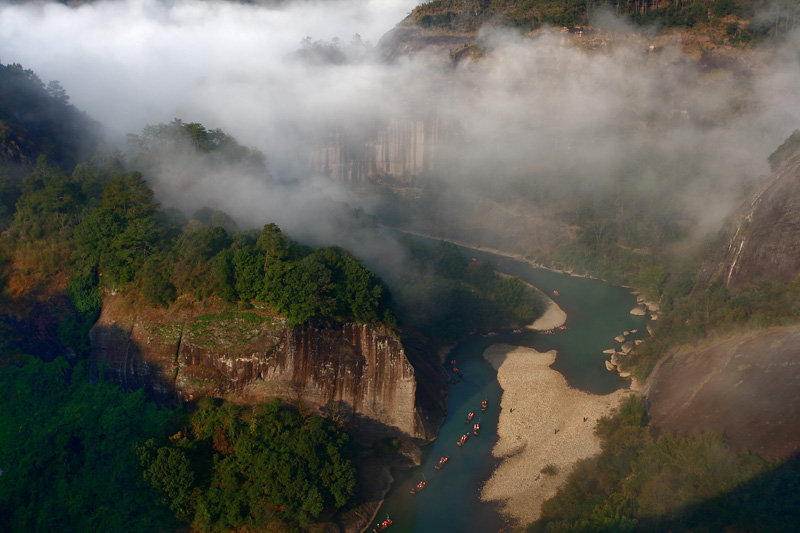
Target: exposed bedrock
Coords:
[(361, 374), (762, 241), (403, 148), (744, 386)]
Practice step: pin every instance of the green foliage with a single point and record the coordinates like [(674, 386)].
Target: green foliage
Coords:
[(274, 245), (644, 482), (248, 268), (481, 276), (68, 452), (9, 193), (50, 202), (449, 262), (690, 317), (203, 149), (549, 470), (723, 7), (157, 289), (118, 236), (329, 284), (209, 217), (224, 276), (84, 293), (167, 469), (269, 465), (518, 302), (73, 329), (465, 296), (651, 280), (442, 309)]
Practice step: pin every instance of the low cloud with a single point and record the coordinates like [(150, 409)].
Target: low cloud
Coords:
[(534, 108)]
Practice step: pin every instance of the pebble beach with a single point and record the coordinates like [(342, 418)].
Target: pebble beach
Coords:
[(543, 421)]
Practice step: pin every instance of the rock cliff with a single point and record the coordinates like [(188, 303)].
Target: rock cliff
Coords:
[(402, 148), (744, 386), (360, 374), (762, 241)]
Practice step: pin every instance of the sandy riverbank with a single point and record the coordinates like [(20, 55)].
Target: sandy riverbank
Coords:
[(553, 316), (541, 423)]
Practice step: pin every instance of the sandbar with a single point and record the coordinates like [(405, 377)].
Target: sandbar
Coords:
[(543, 421), (552, 317)]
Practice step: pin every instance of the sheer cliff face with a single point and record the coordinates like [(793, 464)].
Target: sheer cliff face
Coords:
[(360, 374), (404, 148), (763, 239)]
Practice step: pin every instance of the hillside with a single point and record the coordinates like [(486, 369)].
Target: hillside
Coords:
[(733, 21), (762, 239), (37, 119), (743, 386)]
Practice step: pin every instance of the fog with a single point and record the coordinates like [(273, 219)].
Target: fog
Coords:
[(535, 108)]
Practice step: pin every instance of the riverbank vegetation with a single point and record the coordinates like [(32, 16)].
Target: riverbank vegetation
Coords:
[(644, 480), (444, 295)]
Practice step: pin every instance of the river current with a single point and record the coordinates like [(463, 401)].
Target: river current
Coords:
[(596, 313)]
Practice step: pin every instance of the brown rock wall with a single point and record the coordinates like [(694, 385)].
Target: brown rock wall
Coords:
[(358, 373)]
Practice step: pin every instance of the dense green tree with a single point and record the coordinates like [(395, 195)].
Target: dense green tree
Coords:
[(481, 275), (273, 244), (168, 470), (249, 272), (157, 289), (269, 465), (49, 202), (124, 231), (450, 262), (224, 276), (204, 149), (9, 193), (68, 452)]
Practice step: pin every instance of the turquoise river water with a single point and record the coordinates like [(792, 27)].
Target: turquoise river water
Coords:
[(596, 313)]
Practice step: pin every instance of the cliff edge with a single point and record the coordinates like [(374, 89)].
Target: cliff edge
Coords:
[(359, 374)]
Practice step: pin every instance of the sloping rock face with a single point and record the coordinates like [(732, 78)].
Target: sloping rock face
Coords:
[(763, 239), (358, 373), (744, 387)]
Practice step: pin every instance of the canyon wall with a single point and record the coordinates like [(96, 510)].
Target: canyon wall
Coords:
[(360, 374), (402, 149)]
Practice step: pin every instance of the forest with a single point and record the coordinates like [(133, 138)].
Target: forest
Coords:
[(719, 16), (78, 450), (80, 221)]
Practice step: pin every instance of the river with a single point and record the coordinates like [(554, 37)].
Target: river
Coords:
[(596, 313)]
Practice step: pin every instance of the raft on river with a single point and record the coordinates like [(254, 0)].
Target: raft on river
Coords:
[(420, 487)]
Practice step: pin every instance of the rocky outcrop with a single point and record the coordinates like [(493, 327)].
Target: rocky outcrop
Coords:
[(403, 148), (744, 387), (360, 374), (763, 239)]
